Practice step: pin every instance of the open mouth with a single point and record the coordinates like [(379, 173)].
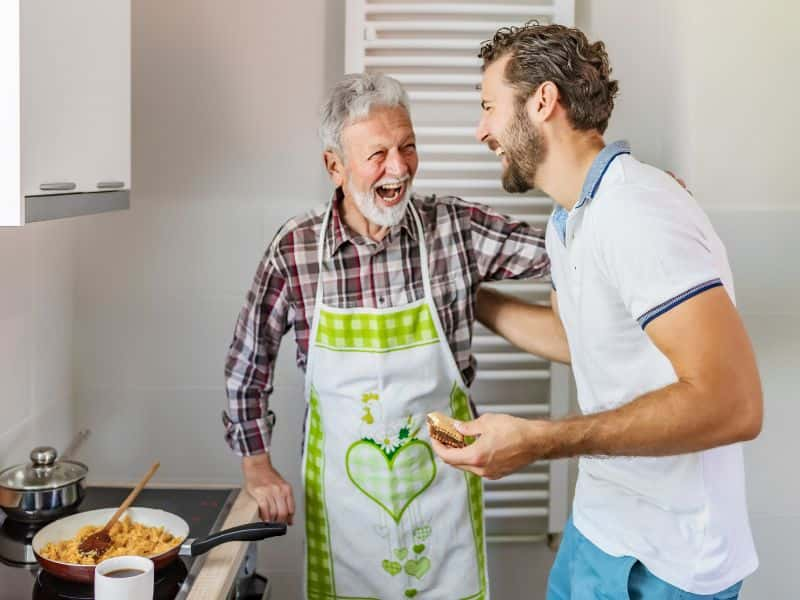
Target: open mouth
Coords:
[(390, 193), (499, 152)]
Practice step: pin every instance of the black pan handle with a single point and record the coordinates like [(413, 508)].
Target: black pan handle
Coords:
[(249, 532)]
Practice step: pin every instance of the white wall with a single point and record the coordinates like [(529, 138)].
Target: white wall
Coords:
[(707, 88), (743, 81), (37, 282)]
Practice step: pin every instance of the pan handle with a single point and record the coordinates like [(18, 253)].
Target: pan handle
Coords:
[(249, 532)]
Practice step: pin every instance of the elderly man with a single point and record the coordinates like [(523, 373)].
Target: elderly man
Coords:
[(643, 293), (380, 287)]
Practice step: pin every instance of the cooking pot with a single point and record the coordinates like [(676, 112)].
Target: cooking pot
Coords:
[(43, 490)]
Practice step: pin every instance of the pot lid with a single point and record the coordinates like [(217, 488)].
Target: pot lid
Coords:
[(43, 472)]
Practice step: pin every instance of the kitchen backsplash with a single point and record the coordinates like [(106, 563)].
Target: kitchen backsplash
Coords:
[(37, 274)]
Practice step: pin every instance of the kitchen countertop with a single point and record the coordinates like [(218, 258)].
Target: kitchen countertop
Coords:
[(215, 578)]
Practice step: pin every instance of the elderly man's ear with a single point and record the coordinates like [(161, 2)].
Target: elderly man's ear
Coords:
[(335, 167)]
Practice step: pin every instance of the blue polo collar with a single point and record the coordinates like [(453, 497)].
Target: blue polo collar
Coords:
[(593, 178)]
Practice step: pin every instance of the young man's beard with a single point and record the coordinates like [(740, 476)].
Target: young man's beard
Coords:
[(384, 216), (525, 150)]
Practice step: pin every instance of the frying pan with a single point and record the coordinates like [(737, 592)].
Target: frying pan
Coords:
[(67, 527)]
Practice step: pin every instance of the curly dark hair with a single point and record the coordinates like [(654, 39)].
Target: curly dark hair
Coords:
[(564, 56)]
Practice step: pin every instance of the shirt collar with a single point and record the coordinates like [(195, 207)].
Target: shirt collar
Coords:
[(339, 233), (599, 167), (593, 178)]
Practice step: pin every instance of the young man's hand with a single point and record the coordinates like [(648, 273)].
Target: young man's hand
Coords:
[(271, 491), (504, 444)]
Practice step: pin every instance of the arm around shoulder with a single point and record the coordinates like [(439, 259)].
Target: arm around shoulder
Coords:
[(535, 328)]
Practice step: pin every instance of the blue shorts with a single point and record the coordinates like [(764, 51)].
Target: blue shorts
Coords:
[(584, 572)]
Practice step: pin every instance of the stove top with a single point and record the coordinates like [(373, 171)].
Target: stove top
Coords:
[(168, 583), (203, 509), (15, 541)]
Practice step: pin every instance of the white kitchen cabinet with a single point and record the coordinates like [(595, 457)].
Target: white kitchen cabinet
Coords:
[(72, 108)]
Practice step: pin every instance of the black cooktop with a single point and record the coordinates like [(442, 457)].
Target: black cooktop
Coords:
[(203, 509), (167, 585)]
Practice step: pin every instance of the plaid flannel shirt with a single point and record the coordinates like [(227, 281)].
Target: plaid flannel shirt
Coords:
[(467, 244)]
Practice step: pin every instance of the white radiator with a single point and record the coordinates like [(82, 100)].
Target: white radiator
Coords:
[(432, 49)]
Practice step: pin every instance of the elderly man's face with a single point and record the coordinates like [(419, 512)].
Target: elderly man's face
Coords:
[(380, 164)]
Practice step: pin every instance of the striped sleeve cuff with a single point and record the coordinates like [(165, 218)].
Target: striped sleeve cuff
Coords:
[(248, 437), (664, 307)]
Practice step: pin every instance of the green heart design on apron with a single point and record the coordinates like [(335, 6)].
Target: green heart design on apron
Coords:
[(422, 533), (391, 567), (417, 568), (391, 483)]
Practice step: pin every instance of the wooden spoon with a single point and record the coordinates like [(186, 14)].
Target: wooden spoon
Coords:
[(99, 542)]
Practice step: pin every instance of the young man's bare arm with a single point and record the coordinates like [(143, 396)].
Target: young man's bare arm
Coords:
[(716, 400), (531, 327)]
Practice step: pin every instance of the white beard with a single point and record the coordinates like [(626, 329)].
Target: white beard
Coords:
[(385, 216)]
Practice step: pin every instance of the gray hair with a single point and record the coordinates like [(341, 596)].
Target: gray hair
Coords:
[(352, 99)]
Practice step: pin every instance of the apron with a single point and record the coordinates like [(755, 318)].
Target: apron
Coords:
[(385, 517)]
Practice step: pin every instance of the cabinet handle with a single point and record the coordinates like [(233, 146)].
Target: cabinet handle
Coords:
[(57, 186), (110, 185)]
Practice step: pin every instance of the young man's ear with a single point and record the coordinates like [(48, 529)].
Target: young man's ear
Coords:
[(543, 102), (335, 167)]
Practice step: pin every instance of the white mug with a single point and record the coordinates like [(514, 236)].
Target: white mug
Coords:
[(124, 578)]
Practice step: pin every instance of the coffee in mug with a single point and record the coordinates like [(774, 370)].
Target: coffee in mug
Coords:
[(120, 573)]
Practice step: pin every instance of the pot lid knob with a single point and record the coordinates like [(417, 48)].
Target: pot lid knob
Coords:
[(43, 456)]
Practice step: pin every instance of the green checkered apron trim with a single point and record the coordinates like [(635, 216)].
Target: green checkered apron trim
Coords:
[(366, 332), (385, 518), (459, 404), (320, 572)]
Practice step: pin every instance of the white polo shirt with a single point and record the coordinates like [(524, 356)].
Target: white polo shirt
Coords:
[(635, 246)]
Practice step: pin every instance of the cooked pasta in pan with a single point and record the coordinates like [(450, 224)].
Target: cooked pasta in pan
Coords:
[(128, 539)]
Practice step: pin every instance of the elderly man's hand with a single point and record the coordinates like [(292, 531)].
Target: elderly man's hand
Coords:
[(271, 491), (504, 444), (679, 180)]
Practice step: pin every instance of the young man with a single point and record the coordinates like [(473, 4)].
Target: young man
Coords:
[(643, 294)]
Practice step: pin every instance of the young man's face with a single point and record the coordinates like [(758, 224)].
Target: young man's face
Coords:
[(380, 164), (508, 131)]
